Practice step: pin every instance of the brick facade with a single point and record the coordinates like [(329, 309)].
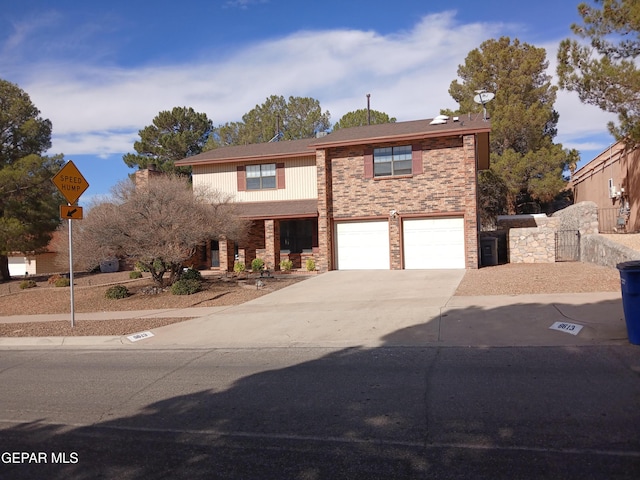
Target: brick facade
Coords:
[(446, 187), (325, 212), (341, 185)]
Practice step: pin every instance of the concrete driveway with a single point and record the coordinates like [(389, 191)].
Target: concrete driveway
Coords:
[(337, 308)]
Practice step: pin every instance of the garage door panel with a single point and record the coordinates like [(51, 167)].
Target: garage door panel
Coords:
[(434, 243), (362, 245)]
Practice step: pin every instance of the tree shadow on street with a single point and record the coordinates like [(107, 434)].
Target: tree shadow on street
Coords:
[(387, 412)]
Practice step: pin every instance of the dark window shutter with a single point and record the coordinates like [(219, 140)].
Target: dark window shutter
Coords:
[(416, 159), (368, 163), (279, 175), (242, 178)]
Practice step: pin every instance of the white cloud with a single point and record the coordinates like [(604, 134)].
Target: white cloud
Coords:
[(98, 109)]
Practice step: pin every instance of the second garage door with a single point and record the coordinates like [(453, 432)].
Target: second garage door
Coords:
[(433, 243), (362, 245)]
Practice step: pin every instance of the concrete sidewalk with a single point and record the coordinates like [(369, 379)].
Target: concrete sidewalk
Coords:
[(371, 309)]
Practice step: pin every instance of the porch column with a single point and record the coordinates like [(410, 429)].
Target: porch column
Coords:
[(272, 244), (325, 237), (226, 254)]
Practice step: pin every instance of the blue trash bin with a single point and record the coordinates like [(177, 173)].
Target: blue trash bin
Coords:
[(630, 284)]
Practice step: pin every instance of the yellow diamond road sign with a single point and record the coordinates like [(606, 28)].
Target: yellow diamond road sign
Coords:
[(70, 182)]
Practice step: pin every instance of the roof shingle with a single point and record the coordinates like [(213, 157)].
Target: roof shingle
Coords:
[(386, 132)]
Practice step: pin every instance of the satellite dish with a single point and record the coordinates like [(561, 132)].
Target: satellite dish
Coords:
[(482, 98)]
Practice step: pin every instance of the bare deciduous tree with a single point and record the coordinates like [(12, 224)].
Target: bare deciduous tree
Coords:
[(159, 225)]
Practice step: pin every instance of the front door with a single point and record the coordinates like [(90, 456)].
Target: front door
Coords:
[(215, 253)]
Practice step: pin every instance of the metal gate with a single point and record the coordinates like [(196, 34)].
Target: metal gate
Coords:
[(567, 246)]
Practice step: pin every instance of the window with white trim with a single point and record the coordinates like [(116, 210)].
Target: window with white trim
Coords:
[(261, 176), (389, 161)]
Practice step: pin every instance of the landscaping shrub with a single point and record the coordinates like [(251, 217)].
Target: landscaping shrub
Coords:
[(27, 284), (239, 267), (185, 287), (286, 265), (257, 264), (53, 279), (191, 274), (310, 264), (117, 291), (135, 274), (62, 282), (141, 267)]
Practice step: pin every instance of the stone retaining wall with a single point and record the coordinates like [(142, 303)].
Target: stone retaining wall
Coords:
[(532, 239), (600, 250), (532, 245), (582, 216)]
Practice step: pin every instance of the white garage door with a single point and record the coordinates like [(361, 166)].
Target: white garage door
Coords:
[(363, 245), (17, 266), (433, 243)]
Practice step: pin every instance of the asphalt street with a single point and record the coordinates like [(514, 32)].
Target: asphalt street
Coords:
[(321, 413)]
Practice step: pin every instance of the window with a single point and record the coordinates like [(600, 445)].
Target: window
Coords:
[(392, 161), (261, 176)]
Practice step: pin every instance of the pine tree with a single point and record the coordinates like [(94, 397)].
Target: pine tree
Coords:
[(606, 72), (29, 202), (172, 136), (524, 158)]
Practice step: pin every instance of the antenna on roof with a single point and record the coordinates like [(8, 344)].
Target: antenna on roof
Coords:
[(278, 134), (483, 97), (368, 109)]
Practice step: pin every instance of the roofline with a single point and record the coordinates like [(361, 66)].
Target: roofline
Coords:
[(599, 161), (245, 159), (405, 136), (279, 216)]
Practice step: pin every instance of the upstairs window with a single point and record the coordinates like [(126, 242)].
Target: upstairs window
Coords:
[(392, 161), (261, 176)]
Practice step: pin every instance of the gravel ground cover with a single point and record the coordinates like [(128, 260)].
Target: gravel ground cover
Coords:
[(89, 294), (534, 278)]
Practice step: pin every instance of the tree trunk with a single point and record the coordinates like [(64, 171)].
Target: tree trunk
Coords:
[(157, 276), (175, 271), (4, 269)]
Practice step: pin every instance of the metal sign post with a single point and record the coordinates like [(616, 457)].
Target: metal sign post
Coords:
[(73, 313), (71, 184)]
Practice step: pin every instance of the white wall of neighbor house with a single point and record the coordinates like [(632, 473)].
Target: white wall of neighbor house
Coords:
[(300, 181), (19, 266)]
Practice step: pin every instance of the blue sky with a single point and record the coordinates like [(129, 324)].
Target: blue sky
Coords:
[(101, 71)]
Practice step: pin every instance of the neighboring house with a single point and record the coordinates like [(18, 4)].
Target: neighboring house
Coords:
[(612, 181), (391, 196), (42, 263)]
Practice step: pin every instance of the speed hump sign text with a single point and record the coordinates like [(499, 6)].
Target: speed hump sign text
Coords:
[(70, 182)]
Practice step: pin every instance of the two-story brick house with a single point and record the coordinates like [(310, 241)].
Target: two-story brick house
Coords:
[(392, 196)]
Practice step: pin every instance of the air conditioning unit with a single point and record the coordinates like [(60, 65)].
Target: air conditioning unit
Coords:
[(612, 189)]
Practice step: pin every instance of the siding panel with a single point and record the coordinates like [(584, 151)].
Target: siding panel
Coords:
[(300, 181)]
